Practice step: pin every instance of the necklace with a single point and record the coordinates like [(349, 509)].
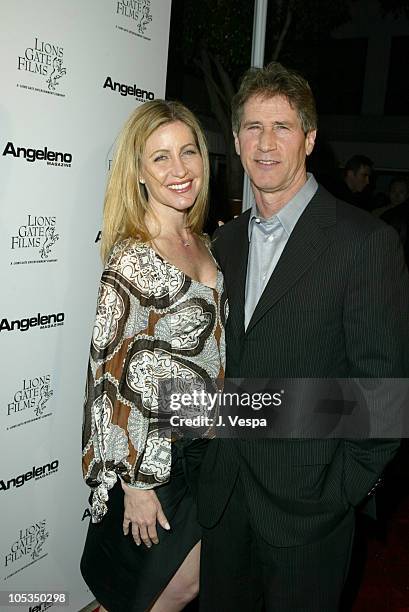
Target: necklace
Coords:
[(186, 242)]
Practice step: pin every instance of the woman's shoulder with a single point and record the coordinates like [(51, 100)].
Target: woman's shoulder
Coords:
[(124, 252)]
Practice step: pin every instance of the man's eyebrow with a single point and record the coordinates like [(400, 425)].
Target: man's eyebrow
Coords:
[(278, 122), (252, 122)]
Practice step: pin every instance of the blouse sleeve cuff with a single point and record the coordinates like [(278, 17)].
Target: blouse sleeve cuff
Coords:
[(100, 496)]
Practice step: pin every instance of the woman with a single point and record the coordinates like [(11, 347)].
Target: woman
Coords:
[(160, 317)]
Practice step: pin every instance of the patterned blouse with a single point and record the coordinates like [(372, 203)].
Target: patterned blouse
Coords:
[(153, 323)]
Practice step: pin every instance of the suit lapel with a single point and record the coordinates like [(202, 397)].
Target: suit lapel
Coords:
[(307, 242), (237, 258)]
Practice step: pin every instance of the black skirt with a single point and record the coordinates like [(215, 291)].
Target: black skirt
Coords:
[(128, 578)]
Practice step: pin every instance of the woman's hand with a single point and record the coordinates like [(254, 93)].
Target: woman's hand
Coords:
[(141, 510)]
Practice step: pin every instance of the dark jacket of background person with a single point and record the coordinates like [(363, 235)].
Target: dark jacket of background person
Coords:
[(336, 305), (398, 218), (340, 190)]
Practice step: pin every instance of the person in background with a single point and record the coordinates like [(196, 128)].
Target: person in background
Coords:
[(398, 192), (397, 215), (317, 289), (353, 188), (160, 316)]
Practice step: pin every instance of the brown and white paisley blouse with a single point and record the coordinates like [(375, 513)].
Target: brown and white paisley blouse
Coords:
[(153, 323)]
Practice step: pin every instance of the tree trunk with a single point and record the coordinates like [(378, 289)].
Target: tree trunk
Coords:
[(283, 33), (220, 93)]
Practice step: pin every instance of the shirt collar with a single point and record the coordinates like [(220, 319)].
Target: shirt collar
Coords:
[(290, 213)]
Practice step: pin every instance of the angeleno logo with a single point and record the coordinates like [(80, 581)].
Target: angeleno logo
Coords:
[(38, 231), (34, 393), (53, 158), (46, 59), (129, 90), (42, 321), (137, 10), (28, 543), (34, 474)]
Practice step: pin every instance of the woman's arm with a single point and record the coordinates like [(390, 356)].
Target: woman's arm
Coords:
[(120, 432)]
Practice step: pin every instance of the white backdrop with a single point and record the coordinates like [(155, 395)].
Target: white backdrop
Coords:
[(58, 125)]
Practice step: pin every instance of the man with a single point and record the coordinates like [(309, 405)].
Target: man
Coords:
[(317, 289), (353, 187)]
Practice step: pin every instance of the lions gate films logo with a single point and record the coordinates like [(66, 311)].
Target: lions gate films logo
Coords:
[(138, 15), (30, 402), (33, 241), (41, 607), (27, 547), (45, 60)]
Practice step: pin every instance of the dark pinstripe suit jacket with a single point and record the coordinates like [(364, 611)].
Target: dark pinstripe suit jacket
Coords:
[(336, 306)]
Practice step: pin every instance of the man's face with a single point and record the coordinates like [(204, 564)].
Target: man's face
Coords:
[(272, 145), (360, 179)]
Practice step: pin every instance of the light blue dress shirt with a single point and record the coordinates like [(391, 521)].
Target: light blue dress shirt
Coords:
[(267, 238)]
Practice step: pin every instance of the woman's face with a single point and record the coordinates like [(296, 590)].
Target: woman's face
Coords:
[(172, 167), (398, 192)]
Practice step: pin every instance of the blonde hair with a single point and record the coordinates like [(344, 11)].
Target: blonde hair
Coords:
[(126, 201)]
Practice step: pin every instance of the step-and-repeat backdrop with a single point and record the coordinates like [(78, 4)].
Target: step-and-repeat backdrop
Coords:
[(71, 72)]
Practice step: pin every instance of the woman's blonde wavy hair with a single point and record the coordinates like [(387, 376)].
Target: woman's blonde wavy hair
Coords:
[(126, 200)]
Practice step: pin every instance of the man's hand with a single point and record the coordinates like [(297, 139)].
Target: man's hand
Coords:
[(220, 222), (141, 510)]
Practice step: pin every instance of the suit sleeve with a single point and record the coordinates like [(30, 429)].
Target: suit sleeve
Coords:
[(215, 244), (376, 326), (120, 425)]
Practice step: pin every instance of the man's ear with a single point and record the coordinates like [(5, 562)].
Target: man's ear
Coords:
[(236, 143), (310, 141)]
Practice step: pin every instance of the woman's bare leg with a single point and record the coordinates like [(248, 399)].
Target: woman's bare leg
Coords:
[(183, 587)]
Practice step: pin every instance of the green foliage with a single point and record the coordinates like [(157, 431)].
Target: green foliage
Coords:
[(316, 18), (213, 38), (395, 6), (223, 26)]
